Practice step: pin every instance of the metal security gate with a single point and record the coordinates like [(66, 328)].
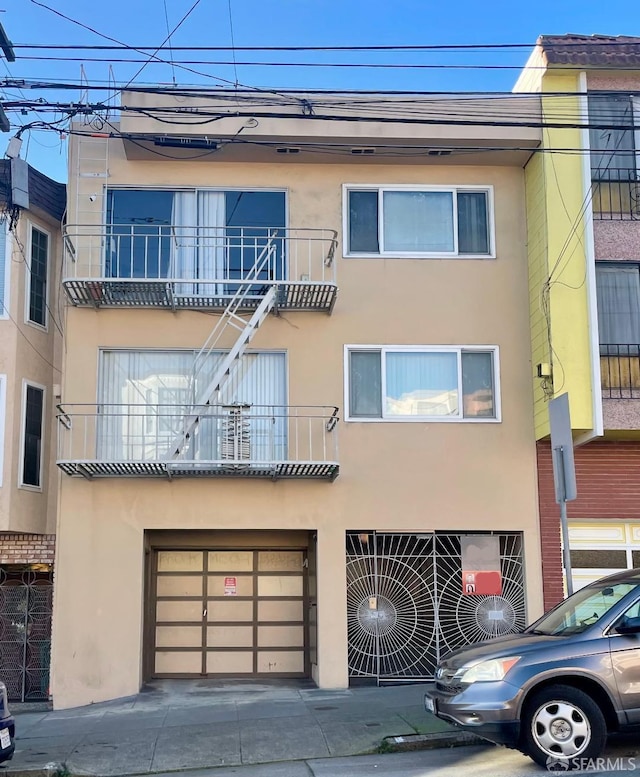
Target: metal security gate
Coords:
[(405, 605), (26, 597)]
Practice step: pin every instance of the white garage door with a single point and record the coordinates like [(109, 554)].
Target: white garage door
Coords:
[(599, 548)]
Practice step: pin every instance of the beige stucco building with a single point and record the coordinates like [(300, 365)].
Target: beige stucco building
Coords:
[(31, 209), (305, 507)]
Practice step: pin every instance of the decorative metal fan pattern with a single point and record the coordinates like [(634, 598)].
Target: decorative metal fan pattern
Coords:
[(405, 606), (25, 633)]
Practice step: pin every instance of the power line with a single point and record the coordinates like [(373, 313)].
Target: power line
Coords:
[(441, 47)]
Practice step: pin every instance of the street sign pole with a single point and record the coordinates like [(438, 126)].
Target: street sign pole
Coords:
[(564, 473)]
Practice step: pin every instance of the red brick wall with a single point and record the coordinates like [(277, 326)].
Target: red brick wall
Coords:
[(27, 548), (608, 480)]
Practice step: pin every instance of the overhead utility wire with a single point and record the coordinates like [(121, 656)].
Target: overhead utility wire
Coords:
[(357, 65), (434, 47)]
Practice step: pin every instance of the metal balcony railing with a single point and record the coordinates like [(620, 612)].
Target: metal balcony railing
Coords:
[(227, 440), (177, 267), (620, 371), (616, 194)]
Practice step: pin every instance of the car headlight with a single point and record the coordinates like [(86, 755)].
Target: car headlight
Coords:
[(487, 671)]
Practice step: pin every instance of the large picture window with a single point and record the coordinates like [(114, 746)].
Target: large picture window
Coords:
[(193, 234), (393, 221), (147, 398), (426, 384)]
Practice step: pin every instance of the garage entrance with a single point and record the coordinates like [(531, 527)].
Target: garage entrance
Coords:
[(223, 612)]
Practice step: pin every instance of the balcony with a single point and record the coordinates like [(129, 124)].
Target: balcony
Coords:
[(620, 371), (159, 266), (247, 441), (616, 194)]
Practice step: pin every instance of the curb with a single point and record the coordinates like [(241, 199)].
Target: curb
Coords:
[(432, 741)]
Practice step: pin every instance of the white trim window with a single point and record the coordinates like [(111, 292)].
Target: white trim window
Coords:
[(33, 399), (38, 277), (416, 222), (422, 383)]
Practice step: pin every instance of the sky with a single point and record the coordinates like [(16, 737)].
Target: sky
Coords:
[(321, 23)]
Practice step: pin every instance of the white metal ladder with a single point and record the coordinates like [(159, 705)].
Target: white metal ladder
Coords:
[(247, 328)]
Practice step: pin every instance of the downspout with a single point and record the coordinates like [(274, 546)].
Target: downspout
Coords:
[(590, 275)]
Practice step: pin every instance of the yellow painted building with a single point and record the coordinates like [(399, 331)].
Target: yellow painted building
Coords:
[(584, 283)]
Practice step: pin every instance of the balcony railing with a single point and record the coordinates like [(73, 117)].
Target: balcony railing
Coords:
[(251, 441), (620, 371), (616, 194), (177, 267)]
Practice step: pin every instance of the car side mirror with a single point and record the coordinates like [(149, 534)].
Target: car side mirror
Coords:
[(628, 626)]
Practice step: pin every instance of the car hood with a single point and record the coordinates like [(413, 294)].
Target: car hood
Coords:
[(510, 645)]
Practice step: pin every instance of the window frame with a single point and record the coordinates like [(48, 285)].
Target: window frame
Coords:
[(26, 384), (456, 349), (488, 189), (27, 304)]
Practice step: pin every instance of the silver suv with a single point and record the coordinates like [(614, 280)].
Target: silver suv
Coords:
[(558, 688)]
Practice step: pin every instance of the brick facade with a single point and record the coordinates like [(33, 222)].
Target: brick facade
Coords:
[(608, 480), (27, 548)]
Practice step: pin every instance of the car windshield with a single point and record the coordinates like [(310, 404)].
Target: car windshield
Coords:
[(583, 609)]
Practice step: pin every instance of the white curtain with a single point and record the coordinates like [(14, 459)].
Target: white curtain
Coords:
[(421, 383), (147, 396), (211, 252), (618, 292), (183, 254), (418, 221)]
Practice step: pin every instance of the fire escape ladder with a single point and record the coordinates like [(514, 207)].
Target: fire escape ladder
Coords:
[(230, 318)]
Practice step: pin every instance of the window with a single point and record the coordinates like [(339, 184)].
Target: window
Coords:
[(614, 141), (37, 278), (394, 221), (427, 384), (33, 415), (147, 397), (618, 295), (189, 234)]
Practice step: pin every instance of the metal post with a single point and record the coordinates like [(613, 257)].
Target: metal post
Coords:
[(566, 552)]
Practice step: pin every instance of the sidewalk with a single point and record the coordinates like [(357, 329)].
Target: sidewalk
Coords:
[(175, 725)]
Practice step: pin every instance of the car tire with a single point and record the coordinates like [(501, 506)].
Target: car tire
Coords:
[(560, 726)]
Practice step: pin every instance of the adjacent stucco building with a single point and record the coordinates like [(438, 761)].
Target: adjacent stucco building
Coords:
[(31, 326)]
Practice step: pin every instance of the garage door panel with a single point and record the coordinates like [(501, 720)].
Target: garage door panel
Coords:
[(280, 561), (173, 611), (230, 636), (230, 611), (280, 585), (178, 636), (230, 662), (280, 661), (180, 561), (281, 636), (274, 610), (177, 662), (230, 561), (179, 585)]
